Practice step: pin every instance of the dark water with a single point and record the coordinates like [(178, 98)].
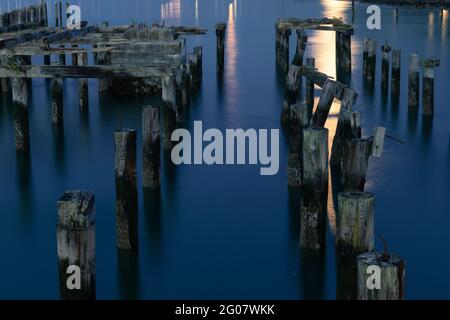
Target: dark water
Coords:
[(226, 232)]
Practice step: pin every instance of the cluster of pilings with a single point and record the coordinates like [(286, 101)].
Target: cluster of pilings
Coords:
[(388, 54), (309, 169), (24, 18)]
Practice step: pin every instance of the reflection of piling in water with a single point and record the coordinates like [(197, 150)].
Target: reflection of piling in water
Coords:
[(298, 120), (168, 110), (56, 92), (312, 274), (314, 188), (291, 92), (309, 97), (151, 147), (20, 97), (220, 46), (83, 84), (76, 245), (381, 276), (428, 85), (395, 74), (385, 67), (126, 189), (413, 81)]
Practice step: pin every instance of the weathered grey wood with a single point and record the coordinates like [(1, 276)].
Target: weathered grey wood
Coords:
[(220, 47), (151, 147), (83, 84), (378, 142), (395, 74), (168, 112), (195, 71), (76, 243), (56, 92), (298, 121), (428, 91), (291, 92), (314, 188), (413, 81), (343, 52), (309, 97), (348, 128), (315, 76), (324, 104), (198, 51), (283, 52), (385, 67), (332, 24), (355, 223), (74, 56), (5, 82), (182, 92), (392, 276), (126, 189), (371, 60), (302, 39), (355, 163), (100, 71)]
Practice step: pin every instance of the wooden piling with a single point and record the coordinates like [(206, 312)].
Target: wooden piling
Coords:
[(151, 147), (83, 84), (76, 245), (104, 58), (195, 71), (20, 95), (314, 188), (413, 81), (385, 67), (302, 39), (168, 112), (309, 97), (282, 47), (391, 278), (75, 56), (395, 74), (355, 163), (56, 92), (324, 104), (355, 223), (291, 92), (371, 60), (348, 128), (126, 189), (220, 34), (5, 82), (198, 51), (62, 57), (428, 85), (298, 121)]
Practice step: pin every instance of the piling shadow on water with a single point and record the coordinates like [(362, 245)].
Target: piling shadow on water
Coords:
[(153, 218), (413, 117), (395, 102), (59, 149), (312, 274), (427, 129), (129, 277)]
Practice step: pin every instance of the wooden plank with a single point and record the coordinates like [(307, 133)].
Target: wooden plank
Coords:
[(55, 71), (40, 50)]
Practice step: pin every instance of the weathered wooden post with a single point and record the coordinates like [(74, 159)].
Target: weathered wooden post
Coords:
[(302, 39), (198, 51), (291, 92), (62, 57), (151, 147), (20, 95), (195, 73), (413, 81), (395, 77), (314, 188), (348, 128), (381, 276), (104, 58), (5, 82), (47, 60), (220, 34), (75, 56), (168, 112), (297, 122), (346, 52), (428, 85), (83, 84), (126, 189), (309, 97), (56, 92), (355, 163), (329, 91), (355, 223), (385, 66), (76, 245), (371, 60)]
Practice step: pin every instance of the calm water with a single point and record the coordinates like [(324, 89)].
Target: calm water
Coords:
[(226, 232)]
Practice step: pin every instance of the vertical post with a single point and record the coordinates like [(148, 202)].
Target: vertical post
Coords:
[(168, 111), (428, 87), (291, 92), (395, 79), (56, 92), (76, 245), (194, 65), (309, 97), (314, 188), (47, 60), (56, 14), (355, 163), (151, 147), (5, 82), (126, 189), (302, 39), (74, 56), (220, 34), (385, 67), (324, 104), (62, 57), (391, 270), (20, 95), (198, 51), (284, 49), (346, 50), (355, 225), (83, 84), (348, 128), (338, 41), (298, 121), (371, 60), (413, 81), (104, 58), (365, 56)]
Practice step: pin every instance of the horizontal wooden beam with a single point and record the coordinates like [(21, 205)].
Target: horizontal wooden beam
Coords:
[(57, 71)]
